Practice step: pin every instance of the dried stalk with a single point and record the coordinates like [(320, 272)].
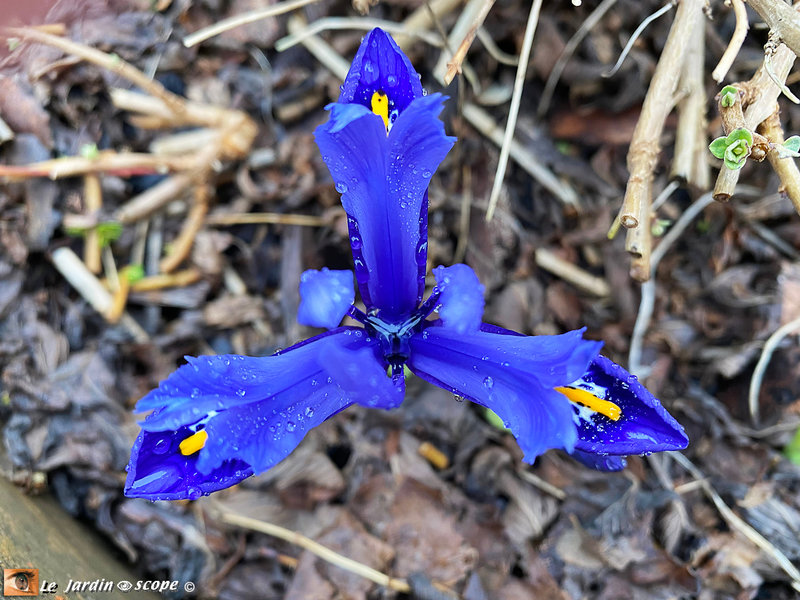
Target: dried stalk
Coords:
[(783, 19), (786, 168), (106, 161), (591, 284), (194, 222), (454, 66), (737, 39), (691, 144), (93, 202), (645, 146)]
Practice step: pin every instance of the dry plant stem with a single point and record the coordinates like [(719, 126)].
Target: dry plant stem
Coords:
[(323, 552), (154, 198), (460, 30), (106, 161), (454, 66), (513, 110), (543, 485), (786, 168), (691, 149), (93, 202), (243, 19), (524, 157), (109, 62), (89, 287), (182, 246), (782, 19), (166, 280), (763, 362), (645, 146), (119, 299), (320, 49), (736, 522), (737, 39), (266, 219), (552, 79), (760, 96), (639, 244), (494, 50), (551, 262)]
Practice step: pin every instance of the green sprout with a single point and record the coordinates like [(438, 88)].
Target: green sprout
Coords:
[(728, 96), (106, 232), (133, 273), (733, 148), (790, 147), (89, 151), (659, 227), (792, 450)]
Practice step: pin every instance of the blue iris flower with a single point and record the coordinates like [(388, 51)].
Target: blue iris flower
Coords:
[(220, 419)]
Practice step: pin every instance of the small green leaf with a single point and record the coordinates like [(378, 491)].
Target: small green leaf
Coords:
[(740, 134), (108, 232), (717, 147), (134, 273), (736, 155), (792, 450), (728, 96), (793, 144), (659, 227), (89, 151), (494, 420)]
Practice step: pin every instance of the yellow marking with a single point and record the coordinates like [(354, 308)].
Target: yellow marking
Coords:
[(193, 443), (380, 106), (592, 402)]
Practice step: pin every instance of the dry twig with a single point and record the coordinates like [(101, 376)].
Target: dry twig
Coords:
[(737, 39), (763, 362)]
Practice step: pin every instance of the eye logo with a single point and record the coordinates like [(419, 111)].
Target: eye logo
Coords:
[(20, 582), (124, 586)]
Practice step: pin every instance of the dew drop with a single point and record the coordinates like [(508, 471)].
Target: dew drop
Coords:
[(355, 242), (290, 426), (309, 412), (341, 187), (488, 382), (194, 493), (162, 446), (391, 81)]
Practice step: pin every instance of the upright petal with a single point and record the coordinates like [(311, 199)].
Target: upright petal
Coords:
[(461, 298), (383, 181), (220, 419), (325, 297), (512, 375), (380, 65), (643, 425)]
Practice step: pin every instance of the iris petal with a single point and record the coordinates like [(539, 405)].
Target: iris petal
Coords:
[(644, 427), (461, 297), (325, 297), (512, 375), (159, 471), (380, 65), (383, 181), (599, 462)]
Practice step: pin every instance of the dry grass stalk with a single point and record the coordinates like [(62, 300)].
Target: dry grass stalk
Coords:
[(105, 162), (783, 19), (454, 65), (690, 162), (271, 218), (584, 281), (182, 246), (735, 44), (645, 146), (93, 202), (786, 168)]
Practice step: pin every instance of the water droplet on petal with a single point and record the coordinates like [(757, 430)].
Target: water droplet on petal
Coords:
[(290, 426), (488, 382), (309, 412), (341, 187), (161, 446)]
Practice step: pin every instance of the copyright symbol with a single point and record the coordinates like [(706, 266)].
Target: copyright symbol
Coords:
[(188, 587), (124, 586)]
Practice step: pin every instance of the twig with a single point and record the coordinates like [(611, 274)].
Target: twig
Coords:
[(786, 168), (591, 284), (647, 301), (454, 66), (690, 162), (737, 39), (166, 280), (635, 36), (524, 157), (423, 18), (194, 221), (763, 362), (323, 552), (268, 218), (152, 199), (781, 18), (504, 58), (555, 74), (736, 522), (645, 146), (513, 110), (543, 485), (773, 41), (320, 49), (93, 202), (106, 161), (110, 62), (469, 12), (243, 19)]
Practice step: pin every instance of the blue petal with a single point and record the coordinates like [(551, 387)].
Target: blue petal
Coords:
[(461, 298), (383, 181), (644, 426), (599, 462), (380, 65), (254, 410), (325, 297), (158, 471), (512, 375)]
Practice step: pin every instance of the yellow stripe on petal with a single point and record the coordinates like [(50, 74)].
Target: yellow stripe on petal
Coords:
[(592, 402), (193, 443), (380, 106)]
